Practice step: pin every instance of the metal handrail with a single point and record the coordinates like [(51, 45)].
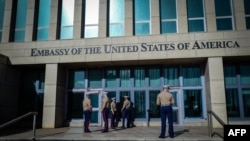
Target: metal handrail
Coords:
[(22, 117), (210, 128)]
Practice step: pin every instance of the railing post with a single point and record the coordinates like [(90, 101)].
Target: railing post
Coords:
[(34, 126), (209, 124)]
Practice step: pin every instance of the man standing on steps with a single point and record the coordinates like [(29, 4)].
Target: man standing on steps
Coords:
[(165, 100), (125, 112), (87, 109)]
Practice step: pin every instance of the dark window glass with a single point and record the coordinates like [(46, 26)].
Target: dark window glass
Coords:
[(116, 17), (43, 20), (169, 27), (142, 17), (246, 101), (140, 104), (192, 103), (232, 101), (248, 22), (247, 7), (224, 24), (195, 8), (195, 25), (223, 8)]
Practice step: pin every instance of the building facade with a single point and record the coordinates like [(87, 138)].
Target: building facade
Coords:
[(52, 50)]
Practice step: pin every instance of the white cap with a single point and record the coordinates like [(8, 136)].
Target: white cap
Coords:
[(166, 86), (113, 98), (105, 92), (125, 96)]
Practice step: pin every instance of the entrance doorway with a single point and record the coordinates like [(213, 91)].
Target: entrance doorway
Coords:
[(176, 107)]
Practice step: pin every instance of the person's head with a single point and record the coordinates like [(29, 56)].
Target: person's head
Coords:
[(125, 97), (105, 94), (113, 99), (166, 87)]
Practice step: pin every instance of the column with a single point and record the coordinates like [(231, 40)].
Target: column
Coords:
[(210, 15), (239, 11), (53, 20), (78, 19), (6, 21), (155, 17), (129, 18), (54, 96), (102, 27), (215, 89), (182, 16), (30, 20)]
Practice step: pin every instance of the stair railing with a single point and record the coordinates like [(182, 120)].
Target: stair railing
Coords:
[(210, 123), (22, 117)]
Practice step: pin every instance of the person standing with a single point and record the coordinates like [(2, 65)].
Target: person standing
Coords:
[(105, 110), (125, 112), (87, 109), (113, 113), (165, 100)]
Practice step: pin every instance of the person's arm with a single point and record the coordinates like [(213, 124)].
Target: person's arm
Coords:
[(158, 102)]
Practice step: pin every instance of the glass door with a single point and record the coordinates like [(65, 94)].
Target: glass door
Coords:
[(176, 106), (96, 116)]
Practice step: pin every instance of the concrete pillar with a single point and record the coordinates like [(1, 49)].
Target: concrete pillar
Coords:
[(29, 20), (53, 20), (102, 28), (129, 17), (239, 15), (210, 15), (182, 16), (77, 19), (215, 89), (54, 96), (155, 17), (6, 21)]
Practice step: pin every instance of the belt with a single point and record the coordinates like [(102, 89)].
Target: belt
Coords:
[(165, 105)]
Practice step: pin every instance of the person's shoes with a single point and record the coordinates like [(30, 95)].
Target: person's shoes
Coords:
[(103, 131), (171, 136), (87, 131), (123, 127), (113, 127), (162, 137)]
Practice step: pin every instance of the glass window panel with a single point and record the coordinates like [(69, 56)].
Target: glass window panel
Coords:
[(75, 105), (168, 9), (230, 75), (195, 25), (171, 76), (154, 110), (44, 13), (111, 95), (139, 74), (91, 31), (116, 9), (193, 103), (195, 8), (21, 14), (224, 24), (95, 78), (246, 102), (232, 101), (2, 6), (169, 27), (94, 98), (19, 35), (140, 104), (110, 78), (142, 28), (142, 10), (0, 36), (245, 74), (42, 34), (247, 7), (94, 117), (154, 77), (223, 8), (67, 12), (116, 29), (248, 22), (175, 98), (66, 32), (125, 77), (191, 76), (92, 12)]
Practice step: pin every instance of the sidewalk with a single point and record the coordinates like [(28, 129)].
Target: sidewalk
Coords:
[(135, 133)]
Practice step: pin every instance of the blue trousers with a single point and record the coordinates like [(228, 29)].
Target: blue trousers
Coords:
[(167, 111), (87, 115), (105, 114), (126, 114)]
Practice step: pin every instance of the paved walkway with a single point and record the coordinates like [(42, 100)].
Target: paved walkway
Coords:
[(135, 133)]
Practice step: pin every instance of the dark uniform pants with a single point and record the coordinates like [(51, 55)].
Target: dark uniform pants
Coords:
[(105, 114), (113, 118), (87, 115), (167, 111), (126, 114)]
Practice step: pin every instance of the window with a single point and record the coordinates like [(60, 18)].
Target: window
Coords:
[(67, 19), (191, 76), (139, 76), (91, 18), (116, 17), (154, 77), (125, 77), (171, 76), (2, 6), (77, 79), (245, 74), (110, 78), (142, 17), (224, 17), (230, 75), (43, 20), (246, 101), (232, 100), (195, 12), (247, 12), (193, 103), (154, 110), (168, 16), (21, 14), (140, 104), (95, 78)]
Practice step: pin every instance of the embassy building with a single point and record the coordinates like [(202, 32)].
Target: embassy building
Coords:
[(52, 50)]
